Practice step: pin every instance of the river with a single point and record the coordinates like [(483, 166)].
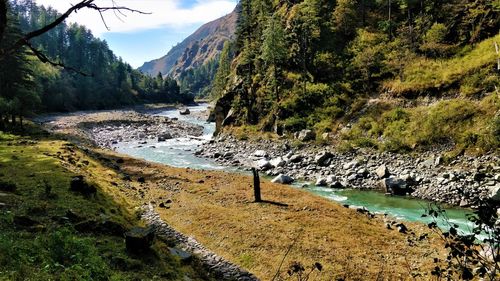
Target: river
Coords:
[(179, 152)]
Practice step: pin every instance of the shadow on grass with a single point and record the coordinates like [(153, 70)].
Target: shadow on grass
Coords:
[(272, 203)]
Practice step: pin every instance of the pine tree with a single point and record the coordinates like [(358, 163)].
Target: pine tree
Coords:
[(222, 75), (274, 50), (16, 78)]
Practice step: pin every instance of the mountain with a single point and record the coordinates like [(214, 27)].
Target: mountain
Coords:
[(197, 49)]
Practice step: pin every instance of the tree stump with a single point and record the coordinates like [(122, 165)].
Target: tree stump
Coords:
[(139, 239)]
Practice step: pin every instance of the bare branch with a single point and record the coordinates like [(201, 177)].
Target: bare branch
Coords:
[(43, 58), (82, 4), (25, 40)]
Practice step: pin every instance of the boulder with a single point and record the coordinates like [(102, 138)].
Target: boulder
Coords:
[(494, 192), (336, 184), (277, 162), (139, 239), (429, 163), (382, 172), (394, 186), (164, 137), (350, 165), (408, 179), (263, 165), (362, 173), (402, 228), (296, 158), (330, 179), (283, 179), (181, 254), (321, 182), (184, 111), (479, 176), (78, 184), (306, 135), (323, 159), (260, 153)]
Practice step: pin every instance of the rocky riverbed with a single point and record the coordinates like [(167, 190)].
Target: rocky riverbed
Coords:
[(107, 128), (462, 182)]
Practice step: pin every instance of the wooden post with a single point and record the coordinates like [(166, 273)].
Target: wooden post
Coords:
[(256, 185)]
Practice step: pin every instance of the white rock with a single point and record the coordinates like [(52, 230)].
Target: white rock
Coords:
[(277, 162), (350, 165), (260, 153), (382, 171), (494, 192), (283, 179), (263, 164)]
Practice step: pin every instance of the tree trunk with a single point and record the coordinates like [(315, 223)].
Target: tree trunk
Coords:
[(21, 121), (13, 120), (390, 20), (275, 82), (256, 185), (2, 124), (3, 17), (410, 27), (363, 16)]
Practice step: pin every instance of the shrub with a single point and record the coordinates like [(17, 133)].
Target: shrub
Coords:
[(471, 255), (294, 124)]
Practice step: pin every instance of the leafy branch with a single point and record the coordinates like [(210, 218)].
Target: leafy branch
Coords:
[(473, 254)]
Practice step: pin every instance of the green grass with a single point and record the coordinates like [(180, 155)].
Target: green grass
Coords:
[(430, 75), (467, 125), (52, 249)]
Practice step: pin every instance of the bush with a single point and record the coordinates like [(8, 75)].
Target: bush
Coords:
[(294, 124), (471, 255)]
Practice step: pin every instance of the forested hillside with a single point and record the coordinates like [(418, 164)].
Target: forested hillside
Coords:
[(94, 77), (394, 75)]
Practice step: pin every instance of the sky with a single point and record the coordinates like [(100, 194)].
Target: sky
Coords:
[(138, 38)]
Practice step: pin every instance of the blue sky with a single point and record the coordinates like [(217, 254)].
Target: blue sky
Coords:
[(138, 38), (137, 47)]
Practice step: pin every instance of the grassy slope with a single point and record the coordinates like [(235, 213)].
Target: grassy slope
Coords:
[(469, 125), (53, 250), (423, 74), (468, 120)]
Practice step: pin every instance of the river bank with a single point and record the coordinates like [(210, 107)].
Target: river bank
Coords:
[(109, 127), (462, 182)]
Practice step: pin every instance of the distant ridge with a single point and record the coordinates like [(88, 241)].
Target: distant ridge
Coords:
[(197, 49)]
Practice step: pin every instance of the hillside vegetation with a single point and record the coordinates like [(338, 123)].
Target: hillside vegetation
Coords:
[(394, 75)]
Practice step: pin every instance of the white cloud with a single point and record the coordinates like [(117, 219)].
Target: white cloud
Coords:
[(165, 13)]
